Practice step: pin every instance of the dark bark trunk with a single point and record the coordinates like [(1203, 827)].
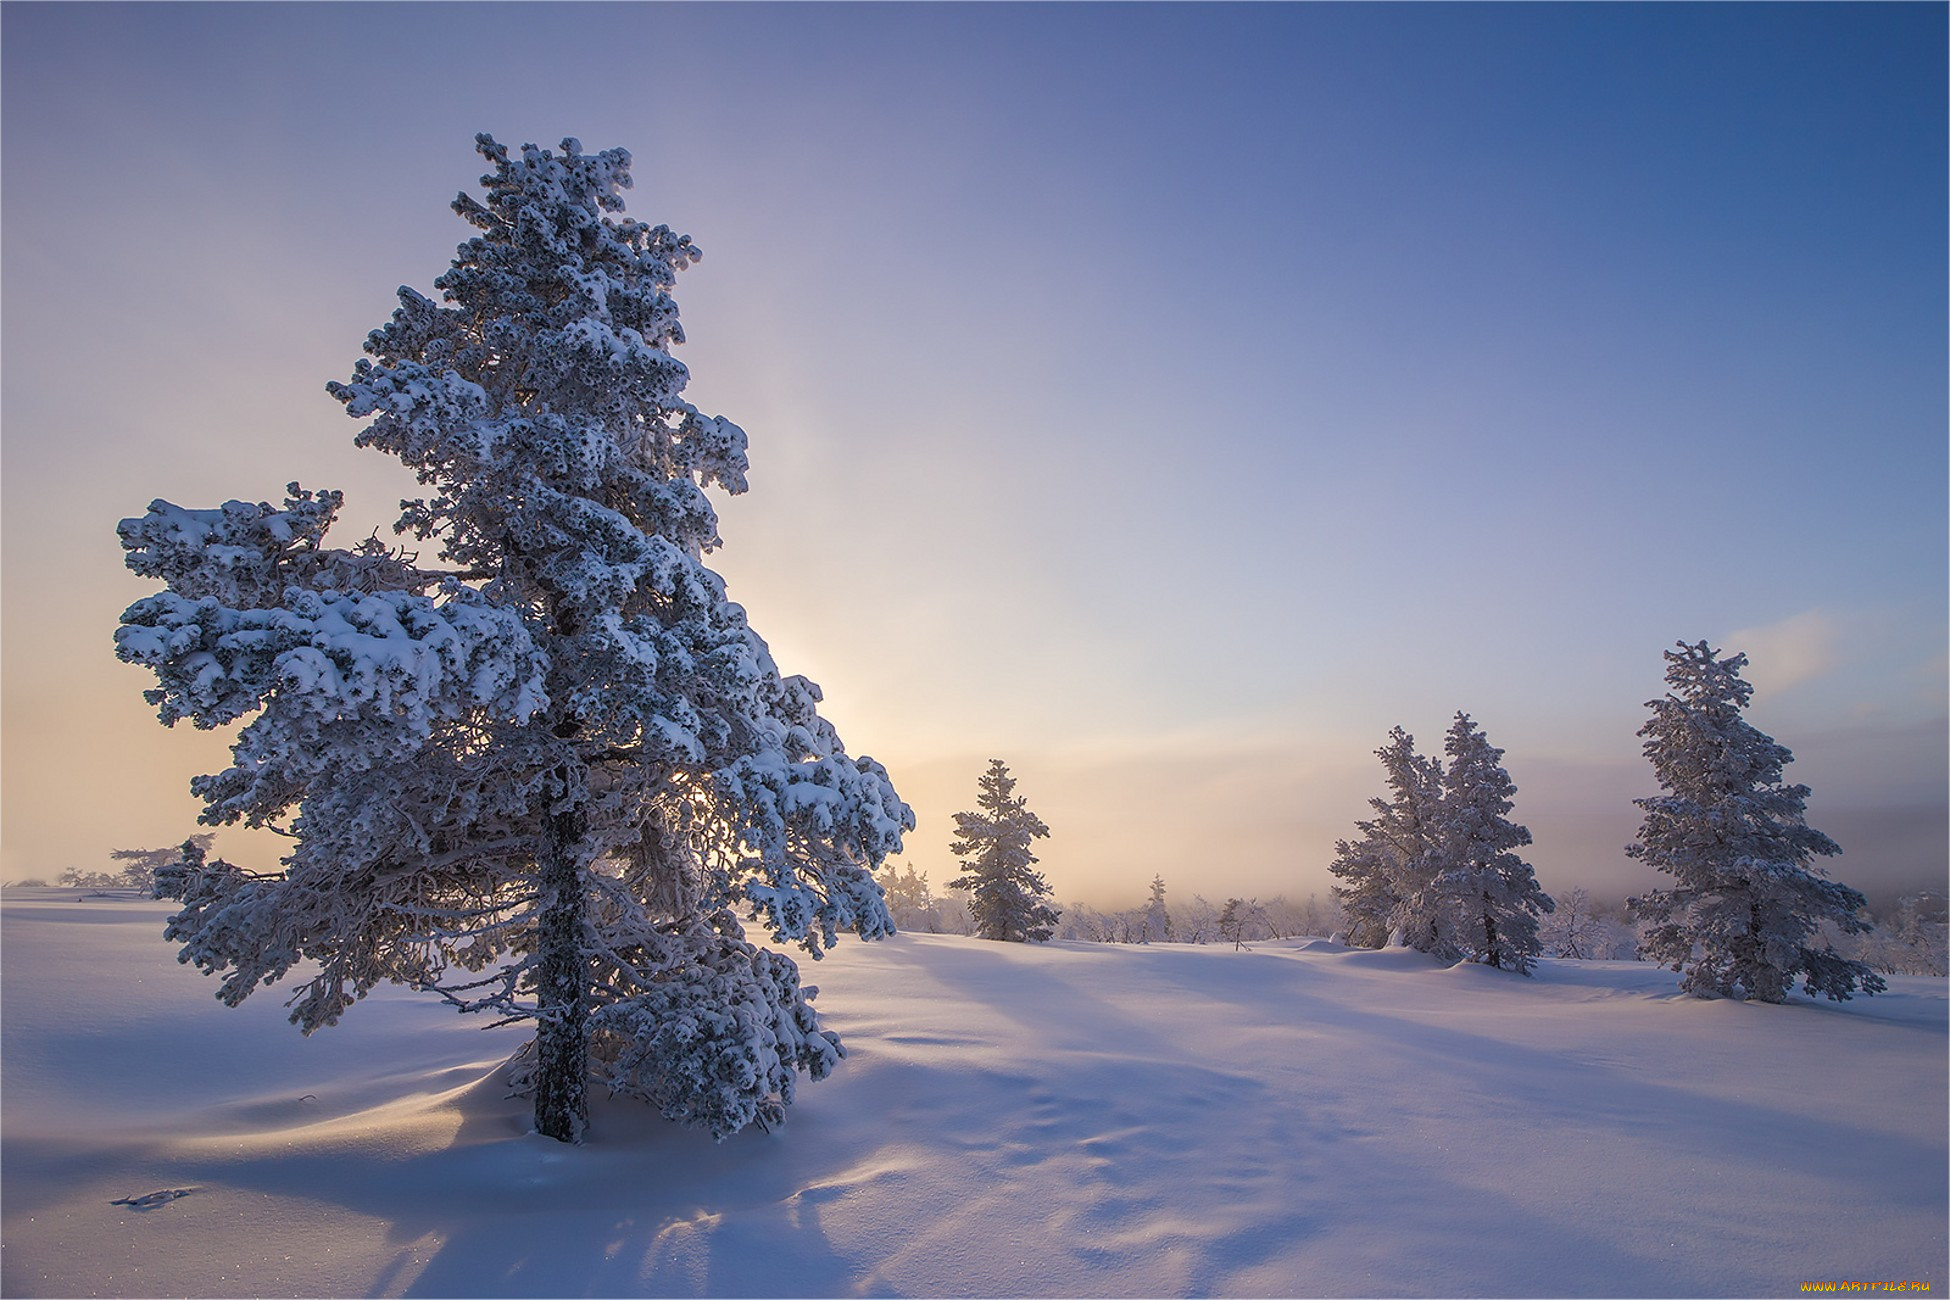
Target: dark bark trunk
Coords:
[(562, 1036)]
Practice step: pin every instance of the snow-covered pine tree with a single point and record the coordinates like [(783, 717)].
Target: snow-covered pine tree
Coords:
[(1388, 873), (1489, 893), (545, 779), (1157, 917), (1005, 892), (1736, 840)]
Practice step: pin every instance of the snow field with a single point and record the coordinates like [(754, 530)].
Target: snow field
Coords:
[(1036, 1120)]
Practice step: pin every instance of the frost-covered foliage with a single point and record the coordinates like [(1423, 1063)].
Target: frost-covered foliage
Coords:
[(911, 902), (1157, 916), (1147, 922), (1913, 941), (1197, 920), (1493, 893), (546, 779), (1083, 922), (139, 871), (1436, 868), (1582, 930), (1388, 874), (1735, 839), (1005, 892), (1317, 916), (1239, 919)]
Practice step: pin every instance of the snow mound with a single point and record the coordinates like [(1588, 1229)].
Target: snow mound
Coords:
[(1011, 1120)]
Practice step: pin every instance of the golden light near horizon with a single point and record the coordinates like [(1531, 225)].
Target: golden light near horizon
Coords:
[(1298, 474), (1418, 351)]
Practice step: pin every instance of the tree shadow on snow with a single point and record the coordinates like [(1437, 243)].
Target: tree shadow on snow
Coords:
[(644, 1208)]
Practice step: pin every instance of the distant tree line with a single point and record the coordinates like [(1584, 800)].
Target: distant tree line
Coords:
[(1911, 939), (139, 866), (1437, 869), (1198, 920)]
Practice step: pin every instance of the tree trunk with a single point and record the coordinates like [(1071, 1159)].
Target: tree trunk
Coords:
[(562, 1036)]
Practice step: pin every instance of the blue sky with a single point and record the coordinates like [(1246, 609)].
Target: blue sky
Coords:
[(1168, 399)]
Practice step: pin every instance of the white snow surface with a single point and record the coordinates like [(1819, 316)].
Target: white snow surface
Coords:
[(1062, 1119)]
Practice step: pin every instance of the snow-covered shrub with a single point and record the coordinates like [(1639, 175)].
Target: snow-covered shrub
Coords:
[(1241, 920), (1915, 941), (1573, 930)]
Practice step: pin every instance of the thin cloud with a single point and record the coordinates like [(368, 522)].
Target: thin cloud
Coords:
[(1792, 651)]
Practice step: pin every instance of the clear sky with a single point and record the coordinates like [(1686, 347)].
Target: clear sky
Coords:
[(1166, 399)]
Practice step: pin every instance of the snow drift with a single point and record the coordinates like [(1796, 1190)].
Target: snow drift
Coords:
[(1062, 1119)]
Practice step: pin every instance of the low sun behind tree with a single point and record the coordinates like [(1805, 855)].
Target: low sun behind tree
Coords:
[(552, 779)]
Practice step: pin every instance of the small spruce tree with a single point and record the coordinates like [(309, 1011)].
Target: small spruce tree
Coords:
[(1157, 917), (1005, 893), (1735, 839)]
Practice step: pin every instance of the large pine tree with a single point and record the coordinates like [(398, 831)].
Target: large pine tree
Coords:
[(546, 779), (1489, 895), (1005, 892), (1735, 839)]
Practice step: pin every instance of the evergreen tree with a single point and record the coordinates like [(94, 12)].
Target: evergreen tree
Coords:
[(1005, 894), (1488, 895), (1389, 872), (1233, 919), (546, 779), (1157, 917), (1736, 841)]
